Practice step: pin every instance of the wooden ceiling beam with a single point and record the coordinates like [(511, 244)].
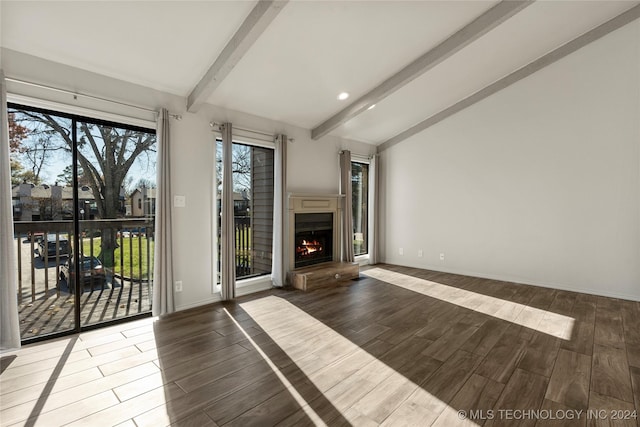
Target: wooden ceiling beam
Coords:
[(548, 59), (472, 31), (264, 12)]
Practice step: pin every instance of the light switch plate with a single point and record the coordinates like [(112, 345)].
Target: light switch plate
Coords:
[(179, 201)]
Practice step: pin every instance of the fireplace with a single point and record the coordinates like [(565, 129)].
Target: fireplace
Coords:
[(314, 229), (313, 238)]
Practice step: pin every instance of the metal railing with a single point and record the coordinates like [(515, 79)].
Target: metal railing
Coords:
[(244, 259), (44, 249)]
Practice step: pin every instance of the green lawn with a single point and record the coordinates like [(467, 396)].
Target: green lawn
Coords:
[(134, 253)]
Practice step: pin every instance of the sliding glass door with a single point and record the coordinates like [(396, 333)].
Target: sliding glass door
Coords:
[(84, 201)]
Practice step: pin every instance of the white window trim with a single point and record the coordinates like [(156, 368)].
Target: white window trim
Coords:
[(28, 101), (251, 281), (251, 284), (239, 138), (356, 158), (362, 259)]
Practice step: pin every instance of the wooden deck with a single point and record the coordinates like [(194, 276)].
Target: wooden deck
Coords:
[(399, 346), (51, 313)]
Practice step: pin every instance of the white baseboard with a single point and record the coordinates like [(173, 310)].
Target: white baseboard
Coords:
[(214, 298), (519, 280), (249, 287)]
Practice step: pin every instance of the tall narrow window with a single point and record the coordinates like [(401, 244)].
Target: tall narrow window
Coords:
[(253, 182), (360, 206)]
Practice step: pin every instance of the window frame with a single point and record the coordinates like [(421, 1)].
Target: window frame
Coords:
[(251, 283), (64, 111), (364, 257)]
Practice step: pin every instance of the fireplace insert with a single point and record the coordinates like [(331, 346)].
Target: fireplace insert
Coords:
[(313, 238)]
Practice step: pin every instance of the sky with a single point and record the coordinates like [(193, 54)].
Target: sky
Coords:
[(57, 159)]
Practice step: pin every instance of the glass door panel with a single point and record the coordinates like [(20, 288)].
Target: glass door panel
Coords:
[(360, 206), (116, 208), (43, 215)]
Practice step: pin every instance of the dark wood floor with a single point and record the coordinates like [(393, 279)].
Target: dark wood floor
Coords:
[(399, 346)]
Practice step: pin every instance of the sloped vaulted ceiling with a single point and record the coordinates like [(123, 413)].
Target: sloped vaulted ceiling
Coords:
[(294, 66)]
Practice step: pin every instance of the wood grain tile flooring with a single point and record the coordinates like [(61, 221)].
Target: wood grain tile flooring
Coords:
[(399, 346)]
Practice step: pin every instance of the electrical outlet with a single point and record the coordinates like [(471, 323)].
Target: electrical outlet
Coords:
[(178, 286), (419, 253), (401, 251), (441, 256)]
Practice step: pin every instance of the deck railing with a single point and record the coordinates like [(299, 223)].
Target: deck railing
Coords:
[(44, 248)]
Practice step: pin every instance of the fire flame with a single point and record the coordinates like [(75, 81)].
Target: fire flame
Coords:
[(308, 247)]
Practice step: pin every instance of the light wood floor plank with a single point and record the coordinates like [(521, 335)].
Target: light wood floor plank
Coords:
[(70, 367), (68, 414), (121, 412), (79, 393), (55, 385)]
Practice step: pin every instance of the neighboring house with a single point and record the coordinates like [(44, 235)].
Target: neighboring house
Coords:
[(50, 202), (143, 202), (241, 203), (53, 202)]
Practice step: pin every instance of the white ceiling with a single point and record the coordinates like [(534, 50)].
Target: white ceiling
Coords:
[(165, 45), (309, 53)]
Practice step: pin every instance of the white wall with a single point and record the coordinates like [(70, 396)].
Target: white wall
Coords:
[(312, 165), (537, 184)]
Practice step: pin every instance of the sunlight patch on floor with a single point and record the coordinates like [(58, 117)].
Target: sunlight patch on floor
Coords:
[(360, 387), (283, 379), (539, 320)]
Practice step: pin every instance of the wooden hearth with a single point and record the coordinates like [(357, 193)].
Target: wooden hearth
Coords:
[(326, 273), (323, 275)]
